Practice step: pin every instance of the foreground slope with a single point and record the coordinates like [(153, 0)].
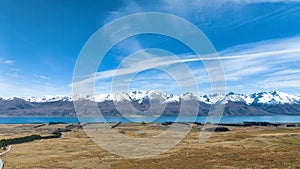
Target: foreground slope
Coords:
[(241, 147)]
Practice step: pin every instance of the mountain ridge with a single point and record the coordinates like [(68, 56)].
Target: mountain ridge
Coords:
[(272, 97), (153, 103)]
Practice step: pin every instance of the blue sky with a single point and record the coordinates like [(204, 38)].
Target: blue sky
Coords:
[(258, 43)]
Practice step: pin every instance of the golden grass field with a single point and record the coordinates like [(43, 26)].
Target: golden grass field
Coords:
[(241, 147)]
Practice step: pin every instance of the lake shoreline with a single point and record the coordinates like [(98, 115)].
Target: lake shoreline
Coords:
[(185, 119)]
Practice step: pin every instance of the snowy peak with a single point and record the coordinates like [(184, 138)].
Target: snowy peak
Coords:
[(43, 99), (137, 96), (172, 99), (233, 97), (152, 96), (275, 97), (213, 99)]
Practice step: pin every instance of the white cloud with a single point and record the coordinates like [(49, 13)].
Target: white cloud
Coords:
[(10, 88), (17, 86), (242, 63), (265, 65), (42, 77), (8, 62), (145, 61)]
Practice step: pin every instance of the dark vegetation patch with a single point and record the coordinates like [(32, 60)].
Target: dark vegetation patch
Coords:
[(217, 129), (19, 140)]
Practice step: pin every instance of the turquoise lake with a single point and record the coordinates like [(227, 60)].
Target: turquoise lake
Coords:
[(200, 119)]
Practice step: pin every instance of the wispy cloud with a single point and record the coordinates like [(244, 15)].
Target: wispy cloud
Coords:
[(6, 61), (13, 88), (266, 65), (144, 61), (272, 64), (42, 77), (249, 63), (13, 83)]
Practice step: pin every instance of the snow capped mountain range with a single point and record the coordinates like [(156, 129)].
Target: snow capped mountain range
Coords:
[(273, 97), (44, 99)]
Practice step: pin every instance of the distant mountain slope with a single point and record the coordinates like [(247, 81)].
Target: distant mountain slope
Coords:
[(155, 103)]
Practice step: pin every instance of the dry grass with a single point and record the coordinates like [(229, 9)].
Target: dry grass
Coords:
[(242, 147)]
